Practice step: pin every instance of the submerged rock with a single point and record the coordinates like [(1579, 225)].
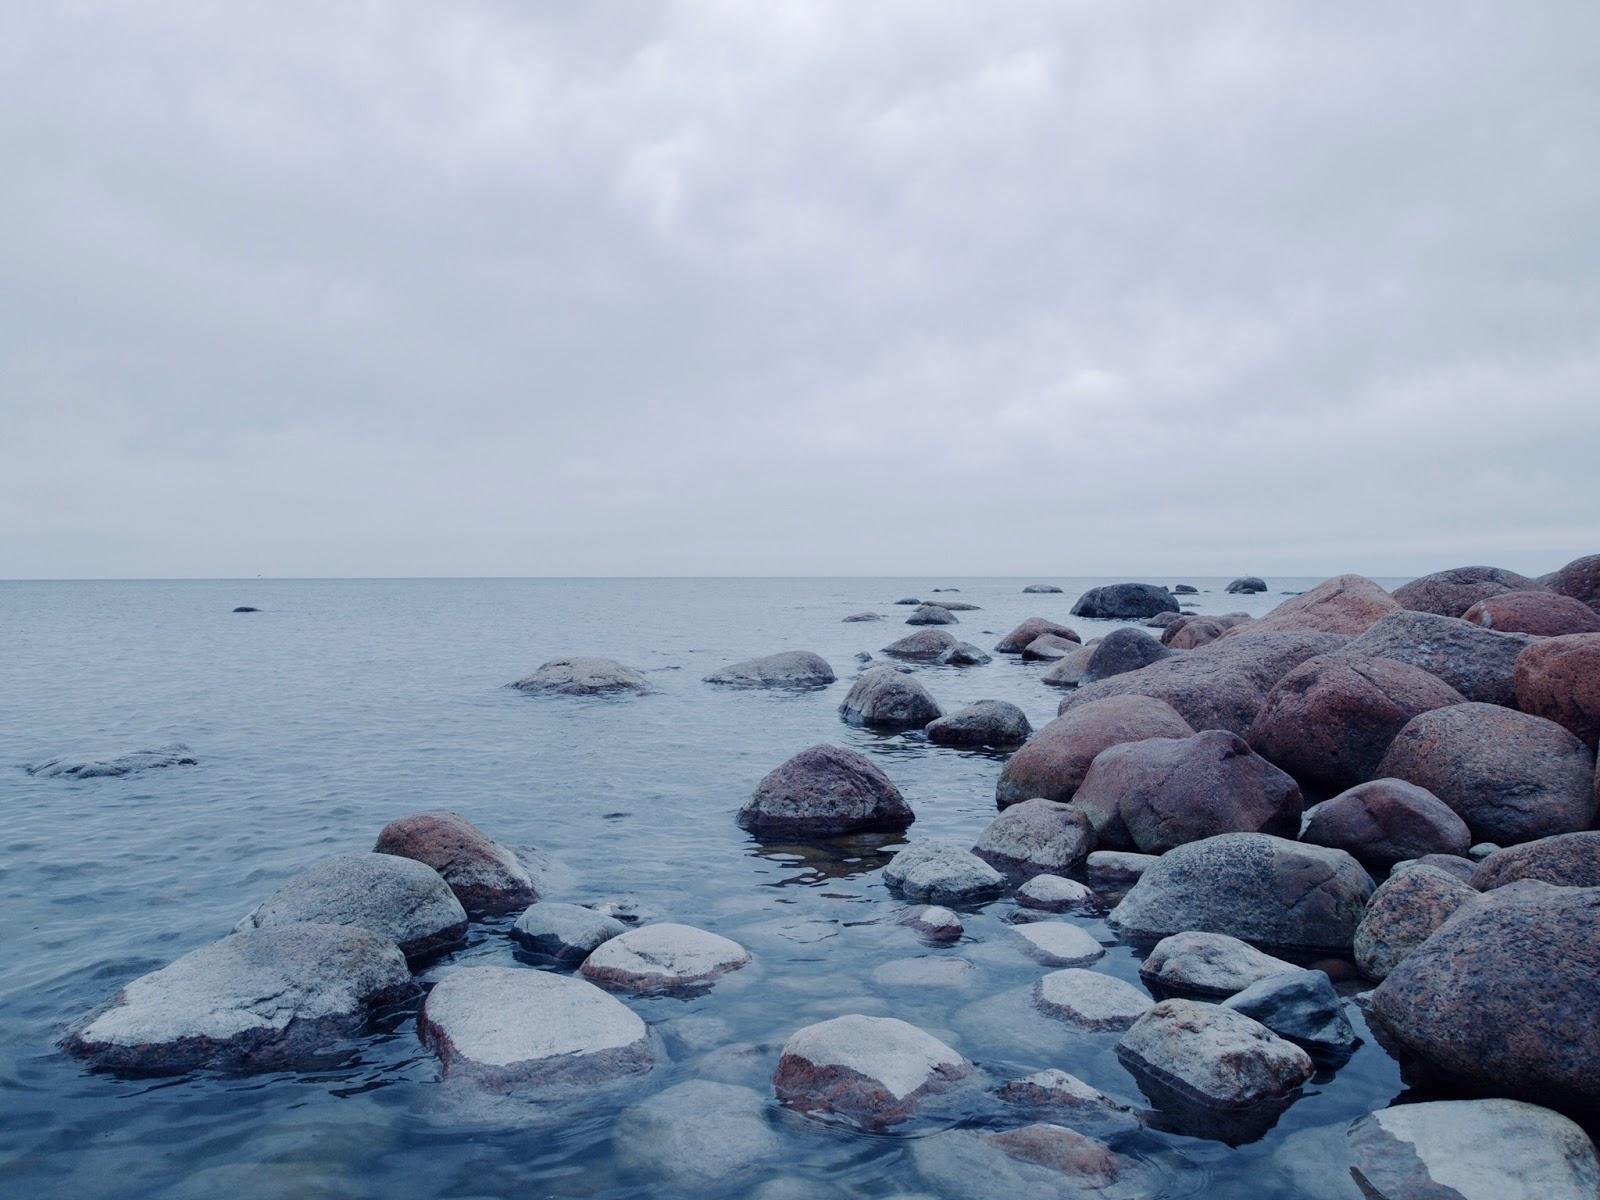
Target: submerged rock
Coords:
[(926, 645), (1559, 679), (822, 792), (1125, 601), (1208, 964), (1055, 1088), (883, 698), (401, 899), (1477, 662), (512, 1026), (933, 922), (1300, 1006), (262, 999), (1035, 837), (1072, 669), (567, 932), (582, 677), (1113, 870), (932, 614), (1041, 1161), (665, 957), (1566, 860), (1017, 640), (985, 723), (1541, 613), (70, 767), (873, 1071), (1053, 762), (1053, 893), (1403, 913), (1058, 943), (942, 871), (1450, 593), (485, 876), (1090, 1000), (1212, 1056), (697, 1135), (791, 668), (855, 618), (1387, 821)]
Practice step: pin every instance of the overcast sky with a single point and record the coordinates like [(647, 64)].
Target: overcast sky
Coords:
[(864, 287)]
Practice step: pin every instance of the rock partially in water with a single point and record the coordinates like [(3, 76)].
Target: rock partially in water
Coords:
[(260, 1000), (68, 766), (1451, 864), (1121, 651), (1055, 1088), (1566, 860), (508, 1027), (1053, 893), (696, 1136), (1155, 794), (925, 645), (665, 957), (872, 1071), (1252, 886), (1404, 913), (1042, 589), (1048, 647), (1477, 662), (1348, 604), (1017, 640), (993, 723), (1036, 837), (822, 792), (401, 899), (485, 876), (244, 608), (1072, 669), (854, 618), (1184, 589), (1472, 1150), (1559, 679), (1054, 761), (1387, 821), (1163, 619), (932, 614), (1330, 721), (582, 677), (963, 654), (1512, 777), (788, 669), (1579, 579), (1115, 870), (884, 698), (908, 600), (1125, 602), (920, 974), (1450, 593), (1247, 585), (1190, 633), (958, 605), (1208, 964), (1213, 1056), (1503, 995), (1540, 613), (1300, 1006), (942, 871), (566, 932), (1090, 999), (934, 922), (1058, 943)]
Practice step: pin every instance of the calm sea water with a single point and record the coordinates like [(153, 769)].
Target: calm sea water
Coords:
[(344, 704)]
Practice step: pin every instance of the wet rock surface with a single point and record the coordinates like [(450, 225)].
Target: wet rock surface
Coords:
[(1300, 1006), (1053, 893), (1208, 965), (942, 871), (934, 922), (566, 932), (1058, 943), (872, 1071), (1213, 1056), (665, 957), (69, 766), (825, 791), (883, 698), (1090, 1000), (696, 1135), (485, 876)]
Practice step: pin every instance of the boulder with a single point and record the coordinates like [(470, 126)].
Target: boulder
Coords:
[(485, 876), (1040, 1161), (934, 922), (1125, 602), (932, 614), (883, 698), (925, 645), (506, 1027), (1247, 585), (1451, 593), (1347, 604), (567, 932), (1579, 579), (872, 1071), (942, 871), (963, 654), (69, 766), (985, 723), (958, 605), (1510, 776), (1159, 793), (1208, 964), (1184, 589), (912, 600), (1566, 860), (1058, 943), (1114, 870), (1300, 1006), (1540, 613), (1503, 994), (582, 677), (822, 792), (1403, 913), (665, 957), (1017, 640), (1559, 679), (1192, 632), (1472, 1150), (1253, 887), (1041, 588), (1090, 1000), (1048, 647), (1072, 668), (1385, 821), (1220, 686), (1452, 864), (401, 899), (1329, 721), (263, 999), (788, 669), (1055, 1088), (696, 1136), (1036, 837), (858, 618), (1054, 761), (244, 608), (1213, 1056), (1123, 650), (1162, 619), (1477, 662), (1053, 893), (924, 972)]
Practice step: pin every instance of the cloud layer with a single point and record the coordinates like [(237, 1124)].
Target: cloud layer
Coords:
[(797, 288)]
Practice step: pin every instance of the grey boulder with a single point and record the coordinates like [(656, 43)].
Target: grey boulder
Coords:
[(1208, 964), (1300, 1006), (567, 932), (1477, 662), (963, 654), (871, 1071), (994, 723), (582, 677), (789, 669), (925, 645), (932, 614), (1212, 1056), (485, 876), (664, 957), (1090, 999), (825, 791), (942, 871), (1036, 837), (883, 698)]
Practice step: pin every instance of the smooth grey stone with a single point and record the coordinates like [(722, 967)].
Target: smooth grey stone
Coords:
[(942, 871), (564, 931), (790, 668), (1299, 1005), (696, 1135)]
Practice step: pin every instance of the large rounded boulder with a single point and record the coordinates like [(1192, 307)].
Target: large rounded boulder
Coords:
[(1566, 860), (1048, 647), (824, 791), (788, 669), (1252, 886), (401, 899), (1347, 604), (1036, 837), (1503, 994), (1329, 721), (1450, 593), (1403, 914), (1017, 640), (1510, 776), (1541, 613), (1212, 1056), (994, 723), (925, 645), (1579, 579), (942, 871), (1559, 679), (1477, 662), (582, 677), (1246, 585), (871, 1071), (263, 999), (1125, 602), (1159, 793), (1054, 761), (1385, 821), (883, 698), (485, 876), (932, 614), (1123, 650)]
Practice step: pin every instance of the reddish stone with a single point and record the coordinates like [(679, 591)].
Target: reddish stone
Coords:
[(1559, 679), (1053, 762), (1544, 614)]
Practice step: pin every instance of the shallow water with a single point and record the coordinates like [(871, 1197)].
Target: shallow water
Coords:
[(344, 704)]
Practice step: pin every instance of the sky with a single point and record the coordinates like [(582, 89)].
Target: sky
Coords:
[(889, 287)]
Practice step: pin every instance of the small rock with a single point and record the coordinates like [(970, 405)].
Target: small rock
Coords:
[(790, 669), (932, 614), (696, 1135), (1058, 943), (246, 608), (567, 932), (963, 654), (1387, 821), (1213, 1056), (485, 876), (1058, 1089), (985, 723), (926, 645), (883, 698), (934, 922), (1042, 588), (70, 767), (822, 792), (1116, 870), (942, 871), (1052, 893), (1208, 964), (1053, 762), (1541, 613), (854, 618), (874, 1071), (582, 677), (1048, 647), (1090, 999), (1018, 639), (1403, 914), (1300, 1006), (1036, 837), (1125, 602), (664, 957)]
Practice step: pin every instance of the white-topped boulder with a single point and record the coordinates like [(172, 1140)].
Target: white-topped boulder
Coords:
[(665, 957), (873, 1071), (1090, 999)]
